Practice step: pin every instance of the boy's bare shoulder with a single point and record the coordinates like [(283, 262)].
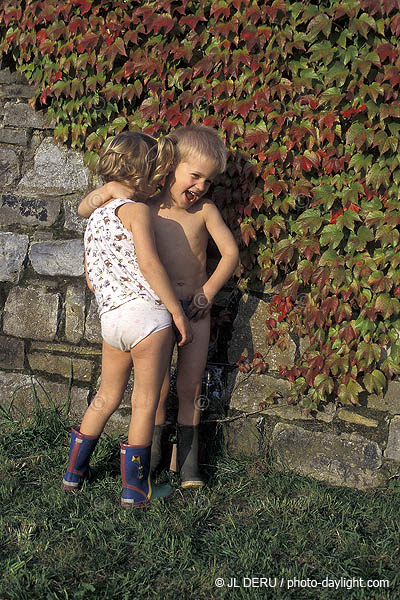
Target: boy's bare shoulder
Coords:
[(206, 205), (209, 209)]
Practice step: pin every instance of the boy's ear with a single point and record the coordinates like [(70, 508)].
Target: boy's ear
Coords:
[(170, 179)]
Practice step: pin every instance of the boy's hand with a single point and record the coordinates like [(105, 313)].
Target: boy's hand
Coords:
[(200, 306), (98, 197), (119, 190), (183, 326)]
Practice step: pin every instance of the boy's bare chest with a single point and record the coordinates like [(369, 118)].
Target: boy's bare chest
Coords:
[(179, 228)]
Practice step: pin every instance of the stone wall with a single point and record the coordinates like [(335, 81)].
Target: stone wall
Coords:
[(50, 344), (353, 446), (49, 336)]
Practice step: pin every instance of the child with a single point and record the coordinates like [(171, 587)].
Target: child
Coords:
[(183, 219), (134, 295)]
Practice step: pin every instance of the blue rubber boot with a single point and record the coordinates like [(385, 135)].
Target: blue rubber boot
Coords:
[(80, 451), (137, 488)]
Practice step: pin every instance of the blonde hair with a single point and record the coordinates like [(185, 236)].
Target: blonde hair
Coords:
[(137, 160), (199, 141)]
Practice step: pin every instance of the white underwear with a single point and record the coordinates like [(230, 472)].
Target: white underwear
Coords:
[(127, 325)]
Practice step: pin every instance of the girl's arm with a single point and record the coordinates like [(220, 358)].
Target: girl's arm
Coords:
[(229, 260), (137, 219), (97, 197)]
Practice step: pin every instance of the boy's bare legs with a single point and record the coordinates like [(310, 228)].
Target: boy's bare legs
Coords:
[(192, 360), (116, 367), (150, 359), (191, 364), (162, 405)]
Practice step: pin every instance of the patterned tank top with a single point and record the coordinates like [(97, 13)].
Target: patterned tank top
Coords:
[(111, 261)]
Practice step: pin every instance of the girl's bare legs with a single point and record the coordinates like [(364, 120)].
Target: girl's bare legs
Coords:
[(150, 359), (116, 367)]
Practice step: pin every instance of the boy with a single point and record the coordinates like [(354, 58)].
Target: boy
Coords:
[(183, 219)]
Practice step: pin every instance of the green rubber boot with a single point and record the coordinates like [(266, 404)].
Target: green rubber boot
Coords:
[(156, 447), (188, 451)]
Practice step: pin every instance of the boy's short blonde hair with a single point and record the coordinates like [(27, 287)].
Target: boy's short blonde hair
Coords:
[(199, 141), (137, 160)]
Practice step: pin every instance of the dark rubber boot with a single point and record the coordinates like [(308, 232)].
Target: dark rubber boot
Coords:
[(156, 447), (137, 488), (80, 451), (188, 451)]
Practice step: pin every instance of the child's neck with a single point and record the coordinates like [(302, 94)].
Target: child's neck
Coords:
[(164, 199)]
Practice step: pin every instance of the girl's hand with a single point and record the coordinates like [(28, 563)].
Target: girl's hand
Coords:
[(200, 306), (183, 326)]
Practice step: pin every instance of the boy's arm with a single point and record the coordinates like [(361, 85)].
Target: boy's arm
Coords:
[(229, 251), (97, 197)]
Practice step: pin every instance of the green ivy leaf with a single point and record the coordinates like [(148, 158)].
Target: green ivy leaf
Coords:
[(332, 235), (374, 381)]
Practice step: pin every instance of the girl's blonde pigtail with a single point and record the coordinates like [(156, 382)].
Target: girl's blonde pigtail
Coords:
[(164, 160)]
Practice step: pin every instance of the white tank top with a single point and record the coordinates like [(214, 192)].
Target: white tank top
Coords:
[(111, 261)]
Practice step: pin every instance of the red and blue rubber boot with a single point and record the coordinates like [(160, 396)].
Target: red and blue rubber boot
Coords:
[(80, 451), (137, 488)]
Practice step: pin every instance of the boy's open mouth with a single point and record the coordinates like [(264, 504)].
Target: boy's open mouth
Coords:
[(190, 197)]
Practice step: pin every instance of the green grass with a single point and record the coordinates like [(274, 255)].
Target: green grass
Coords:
[(251, 521)]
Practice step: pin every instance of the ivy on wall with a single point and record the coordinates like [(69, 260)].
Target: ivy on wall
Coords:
[(306, 95)]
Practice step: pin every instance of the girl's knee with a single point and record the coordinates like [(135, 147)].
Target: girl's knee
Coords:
[(104, 404)]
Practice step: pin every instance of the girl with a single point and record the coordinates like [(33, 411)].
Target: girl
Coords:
[(135, 301)]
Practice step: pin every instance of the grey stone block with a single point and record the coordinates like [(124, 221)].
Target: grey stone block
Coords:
[(249, 332), (8, 77), (75, 313), (17, 90), (18, 114), (390, 402), (347, 460), (22, 210), (242, 438), (92, 324), (13, 250), (393, 446), (31, 313), (68, 367), (58, 257), (13, 136), (17, 392), (11, 353), (9, 167), (73, 221), (57, 170), (246, 392), (352, 417)]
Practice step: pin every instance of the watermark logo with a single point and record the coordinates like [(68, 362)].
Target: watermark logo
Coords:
[(201, 402), (98, 402)]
